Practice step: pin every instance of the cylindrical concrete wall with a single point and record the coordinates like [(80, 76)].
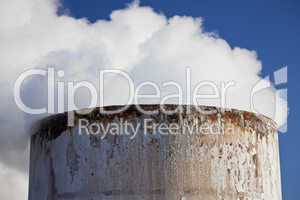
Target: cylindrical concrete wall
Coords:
[(188, 155)]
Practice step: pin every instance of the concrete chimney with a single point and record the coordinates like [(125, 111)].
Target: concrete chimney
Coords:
[(194, 153)]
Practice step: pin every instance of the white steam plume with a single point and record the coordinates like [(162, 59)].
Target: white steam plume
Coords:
[(136, 39)]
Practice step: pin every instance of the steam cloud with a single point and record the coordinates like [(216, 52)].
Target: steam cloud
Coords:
[(146, 44)]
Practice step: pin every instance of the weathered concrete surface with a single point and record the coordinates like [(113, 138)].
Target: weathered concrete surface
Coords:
[(239, 161)]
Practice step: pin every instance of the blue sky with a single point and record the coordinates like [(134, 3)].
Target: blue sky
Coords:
[(270, 27)]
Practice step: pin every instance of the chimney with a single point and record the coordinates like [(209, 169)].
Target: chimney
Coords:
[(190, 153)]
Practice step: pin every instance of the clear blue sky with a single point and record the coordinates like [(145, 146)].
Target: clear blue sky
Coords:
[(270, 27)]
